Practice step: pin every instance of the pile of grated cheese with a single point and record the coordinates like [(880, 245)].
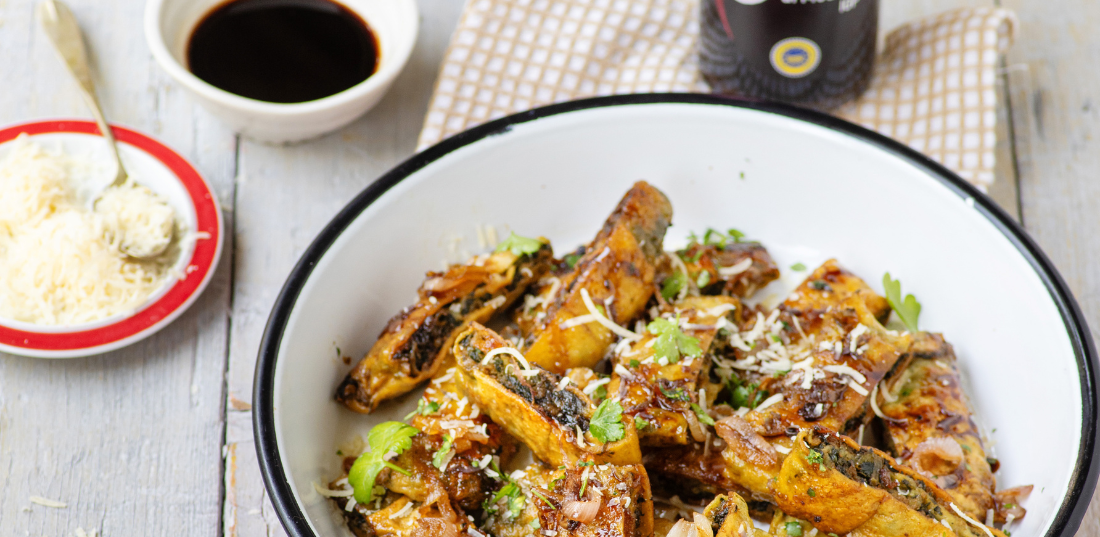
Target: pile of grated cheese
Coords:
[(60, 263)]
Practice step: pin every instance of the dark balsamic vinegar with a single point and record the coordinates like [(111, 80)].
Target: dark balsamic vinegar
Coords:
[(282, 51)]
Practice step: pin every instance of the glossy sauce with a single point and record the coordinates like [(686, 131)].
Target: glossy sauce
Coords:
[(282, 51)]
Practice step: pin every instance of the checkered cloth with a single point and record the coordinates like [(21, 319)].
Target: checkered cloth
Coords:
[(934, 86)]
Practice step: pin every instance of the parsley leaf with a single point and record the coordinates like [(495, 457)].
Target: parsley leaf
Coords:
[(675, 395), (704, 279), (607, 423), (640, 423), (702, 415), (798, 267), (815, 457), (386, 437), (672, 343), (424, 407), (715, 238), (794, 529), (742, 394), (600, 394), (519, 245), (513, 501), (672, 285), (441, 453), (908, 310)]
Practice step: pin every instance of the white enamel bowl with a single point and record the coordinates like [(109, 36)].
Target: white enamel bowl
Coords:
[(163, 171), (809, 186)]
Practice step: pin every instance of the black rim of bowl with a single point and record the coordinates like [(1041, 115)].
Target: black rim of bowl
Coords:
[(1082, 481)]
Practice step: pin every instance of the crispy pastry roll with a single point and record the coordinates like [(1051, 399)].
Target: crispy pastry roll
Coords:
[(613, 280), (812, 362), (842, 488), (929, 428), (736, 269), (588, 500), (661, 390), (415, 342), (452, 451), (400, 516), (552, 417), (729, 516)]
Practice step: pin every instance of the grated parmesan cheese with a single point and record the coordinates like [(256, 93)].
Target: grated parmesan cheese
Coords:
[(61, 264)]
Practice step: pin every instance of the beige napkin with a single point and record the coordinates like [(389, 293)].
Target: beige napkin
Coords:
[(933, 88)]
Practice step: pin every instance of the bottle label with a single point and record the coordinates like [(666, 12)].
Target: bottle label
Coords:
[(795, 57)]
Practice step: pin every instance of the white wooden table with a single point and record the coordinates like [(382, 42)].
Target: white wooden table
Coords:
[(156, 439)]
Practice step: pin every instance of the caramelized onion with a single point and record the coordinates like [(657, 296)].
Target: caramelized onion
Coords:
[(740, 436), (436, 527), (683, 528), (703, 525), (937, 456), (696, 428), (582, 511), (1013, 497)]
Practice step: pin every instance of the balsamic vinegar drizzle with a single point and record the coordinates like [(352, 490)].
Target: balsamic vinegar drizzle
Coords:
[(282, 51)]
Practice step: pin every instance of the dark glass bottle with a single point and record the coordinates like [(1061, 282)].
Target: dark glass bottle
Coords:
[(817, 53)]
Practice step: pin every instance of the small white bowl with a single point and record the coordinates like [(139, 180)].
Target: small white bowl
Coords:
[(168, 27)]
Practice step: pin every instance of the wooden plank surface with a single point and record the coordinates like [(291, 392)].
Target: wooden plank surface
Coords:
[(285, 195), (130, 440), (1056, 118)]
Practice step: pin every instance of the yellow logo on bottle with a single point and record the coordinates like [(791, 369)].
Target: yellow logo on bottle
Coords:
[(795, 57)]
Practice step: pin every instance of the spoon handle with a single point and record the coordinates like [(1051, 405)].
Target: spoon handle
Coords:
[(64, 32)]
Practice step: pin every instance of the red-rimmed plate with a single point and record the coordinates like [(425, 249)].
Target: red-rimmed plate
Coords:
[(164, 171)]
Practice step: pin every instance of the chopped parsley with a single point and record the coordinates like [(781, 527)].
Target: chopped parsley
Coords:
[(820, 285), (702, 415), (703, 279), (519, 245), (811, 493), (571, 259), (798, 267), (634, 363), (814, 457), (640, 423), (672, 285), (671, 342), (386, 437), (544, 500), (424, 407), (600, 393), (713, 237), (441, 454), (607, 423), (511, 497), (745, 395), (908, 309), (675, 395), (794, 529)]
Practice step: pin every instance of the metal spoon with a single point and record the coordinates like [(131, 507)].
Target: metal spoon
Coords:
[(63, 31)]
